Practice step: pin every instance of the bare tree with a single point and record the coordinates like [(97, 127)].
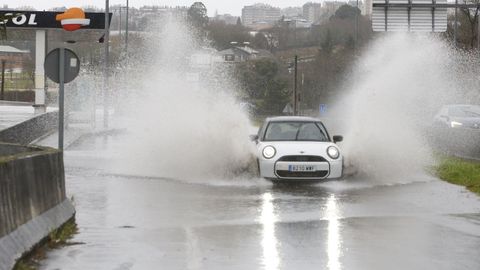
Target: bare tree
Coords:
[(472, 18)]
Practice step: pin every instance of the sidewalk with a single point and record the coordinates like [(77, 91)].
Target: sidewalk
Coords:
[(71, 135), (11, 115), (76, 131), (14, 113)]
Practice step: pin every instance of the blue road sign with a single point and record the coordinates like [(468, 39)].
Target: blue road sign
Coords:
[(322, 108)]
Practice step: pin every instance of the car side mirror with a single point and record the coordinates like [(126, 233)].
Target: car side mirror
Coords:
[(253, 138), (337, 138)]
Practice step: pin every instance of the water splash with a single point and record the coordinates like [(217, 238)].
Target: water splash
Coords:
[(398, 84), (184, 118)]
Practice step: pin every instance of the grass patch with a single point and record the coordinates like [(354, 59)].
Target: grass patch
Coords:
[(460, 172), (60, 237), (56, 239), (23, 266)]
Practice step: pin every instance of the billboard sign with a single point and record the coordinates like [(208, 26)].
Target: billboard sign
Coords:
[(73, 18), (410, 15)]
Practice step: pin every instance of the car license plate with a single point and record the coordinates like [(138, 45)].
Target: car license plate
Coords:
[(301, 168)]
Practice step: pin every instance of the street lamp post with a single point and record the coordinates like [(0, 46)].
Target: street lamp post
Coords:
[(295, 98)]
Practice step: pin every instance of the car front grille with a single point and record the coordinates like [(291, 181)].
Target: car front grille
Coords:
[(315, 174), (303, 158)]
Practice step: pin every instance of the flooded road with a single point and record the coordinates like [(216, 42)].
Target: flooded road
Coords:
[(135, 222)]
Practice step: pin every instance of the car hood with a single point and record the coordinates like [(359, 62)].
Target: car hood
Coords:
[(298, 148)]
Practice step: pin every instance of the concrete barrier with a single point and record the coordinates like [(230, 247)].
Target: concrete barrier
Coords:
[(32, 198), (34, 128)]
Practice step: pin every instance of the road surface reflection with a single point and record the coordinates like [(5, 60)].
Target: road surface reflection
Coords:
[(334, 244), (269, 241)]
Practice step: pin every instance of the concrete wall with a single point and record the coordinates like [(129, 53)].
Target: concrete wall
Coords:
[(32, 198), (34, 128)]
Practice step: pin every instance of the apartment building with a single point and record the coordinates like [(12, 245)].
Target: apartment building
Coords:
[(260, 14)]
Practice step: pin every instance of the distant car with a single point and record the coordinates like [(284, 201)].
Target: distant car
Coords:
[(458, 116), (294, 148)]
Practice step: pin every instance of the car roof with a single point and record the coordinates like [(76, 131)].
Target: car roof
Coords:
[(292, 118)]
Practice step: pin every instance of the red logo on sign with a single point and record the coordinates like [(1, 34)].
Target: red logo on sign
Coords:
[(73, 19)]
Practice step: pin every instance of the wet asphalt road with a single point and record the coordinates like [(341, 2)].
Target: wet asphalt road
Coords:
[(133, 222)]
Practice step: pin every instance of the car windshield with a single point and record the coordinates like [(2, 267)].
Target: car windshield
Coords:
[(296, 131), (464, 111)]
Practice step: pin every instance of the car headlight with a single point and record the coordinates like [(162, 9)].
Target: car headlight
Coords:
[(455, 124), (333, 152), (269, 152)]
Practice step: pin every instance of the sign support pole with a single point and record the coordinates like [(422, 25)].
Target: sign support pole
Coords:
[(2, 95), (62, 66), (61, 96)]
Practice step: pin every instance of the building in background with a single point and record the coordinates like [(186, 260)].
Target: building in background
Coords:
[(15, 59), (329, 7), (297, 23), (292, 12), (312, 11), (367, 8), (238, 54), (260, 15), (227, 18)]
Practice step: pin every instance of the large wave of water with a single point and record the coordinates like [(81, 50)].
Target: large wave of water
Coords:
[(184, 119), (396, 87)]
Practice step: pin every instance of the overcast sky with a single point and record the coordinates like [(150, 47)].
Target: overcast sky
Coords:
[(233, 7)]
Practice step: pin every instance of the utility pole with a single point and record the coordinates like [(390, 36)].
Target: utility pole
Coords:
[(2, 97), (126, 32), (106, 68), (120, 22), (455, 26), (295, 98), (478, 29), (356, 31)]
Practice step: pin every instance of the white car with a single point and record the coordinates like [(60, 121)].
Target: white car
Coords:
[(297, 148)]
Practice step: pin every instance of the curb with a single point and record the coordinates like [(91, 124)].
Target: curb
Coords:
[(19, 242)]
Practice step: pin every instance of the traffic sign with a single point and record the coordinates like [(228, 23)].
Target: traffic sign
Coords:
[(71, 65), (288, 109), (61, 66), (322, 108)]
